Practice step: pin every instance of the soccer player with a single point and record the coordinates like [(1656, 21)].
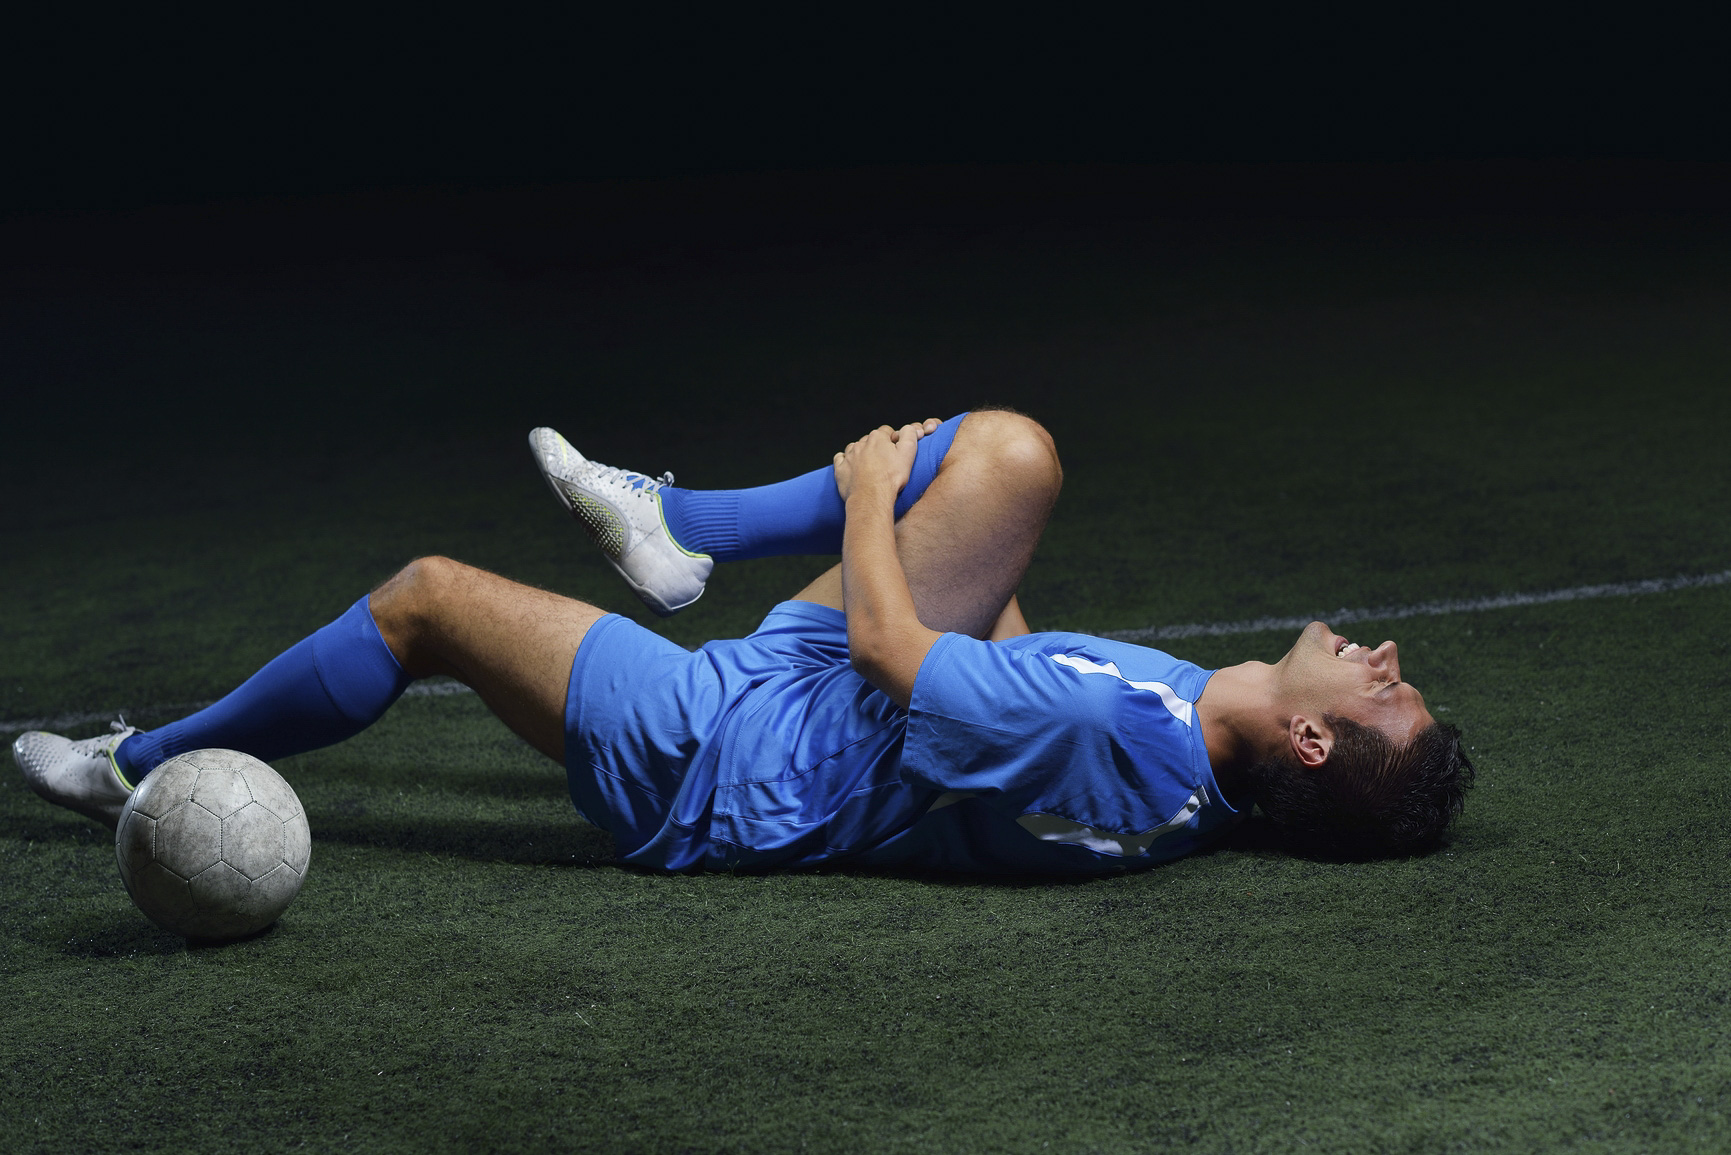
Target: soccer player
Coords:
[(896, 713)]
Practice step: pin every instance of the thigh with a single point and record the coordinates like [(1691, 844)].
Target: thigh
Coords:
[(512, 644)]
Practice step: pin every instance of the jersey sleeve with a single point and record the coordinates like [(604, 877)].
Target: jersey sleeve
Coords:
[(1032, 732)]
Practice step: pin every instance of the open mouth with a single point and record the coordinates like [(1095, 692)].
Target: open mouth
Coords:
[(1345, 647)]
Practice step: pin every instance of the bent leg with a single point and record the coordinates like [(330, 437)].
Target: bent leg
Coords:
[(514, 645), (511, 643), (966, 543), (802, 515)]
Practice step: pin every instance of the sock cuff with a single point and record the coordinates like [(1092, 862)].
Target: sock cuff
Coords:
[(359, 673)]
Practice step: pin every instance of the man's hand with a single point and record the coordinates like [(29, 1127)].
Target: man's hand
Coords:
[(882, 457)]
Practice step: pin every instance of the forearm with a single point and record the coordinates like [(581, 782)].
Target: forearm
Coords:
[(886, 641)]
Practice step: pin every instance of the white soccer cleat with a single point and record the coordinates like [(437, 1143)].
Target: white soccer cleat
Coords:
[(621, 512), (79, 775)]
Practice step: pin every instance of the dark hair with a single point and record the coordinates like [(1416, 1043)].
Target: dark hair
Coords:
[(1370, 796)]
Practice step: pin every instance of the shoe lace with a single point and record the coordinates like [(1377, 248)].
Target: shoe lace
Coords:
[(103, 742), (612, 475)]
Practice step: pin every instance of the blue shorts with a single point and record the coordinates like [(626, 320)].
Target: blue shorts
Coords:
[(739, 754)]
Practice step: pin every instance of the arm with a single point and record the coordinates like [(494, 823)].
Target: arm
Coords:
[(886, 641)]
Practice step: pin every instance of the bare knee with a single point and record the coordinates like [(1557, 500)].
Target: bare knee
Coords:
[(417, 588), (407, 607), (1015, 448)]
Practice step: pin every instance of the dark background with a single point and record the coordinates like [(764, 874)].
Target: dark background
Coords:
[(111, 108), (337, 229), (623, 177)]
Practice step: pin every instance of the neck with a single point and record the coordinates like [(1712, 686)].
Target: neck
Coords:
[(1240, 725)]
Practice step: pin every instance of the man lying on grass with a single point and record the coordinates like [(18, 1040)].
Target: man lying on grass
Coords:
[(896, 713)]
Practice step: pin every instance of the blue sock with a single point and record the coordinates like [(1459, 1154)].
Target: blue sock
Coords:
[(803, 515), (324, 688)]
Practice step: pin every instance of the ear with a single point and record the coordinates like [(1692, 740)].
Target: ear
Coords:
[(1311, 739)]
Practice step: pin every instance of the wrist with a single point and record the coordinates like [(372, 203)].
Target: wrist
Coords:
[(869, 495)]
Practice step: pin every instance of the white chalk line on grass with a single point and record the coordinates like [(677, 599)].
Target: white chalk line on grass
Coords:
[(429, 689), (1340, 617)]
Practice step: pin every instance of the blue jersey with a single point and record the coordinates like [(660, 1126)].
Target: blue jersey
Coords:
[(1056, 753), (1047, 753)]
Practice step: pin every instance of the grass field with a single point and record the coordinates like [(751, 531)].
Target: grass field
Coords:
[(216, 443)]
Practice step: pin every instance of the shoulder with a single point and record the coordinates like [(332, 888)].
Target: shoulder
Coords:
[(1135, 667)]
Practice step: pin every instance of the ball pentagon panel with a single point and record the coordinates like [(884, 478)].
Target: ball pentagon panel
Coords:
[(252, 840), (221, 789), (188, 840)]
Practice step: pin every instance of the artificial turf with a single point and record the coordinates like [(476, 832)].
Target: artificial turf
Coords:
[(1258, 415)]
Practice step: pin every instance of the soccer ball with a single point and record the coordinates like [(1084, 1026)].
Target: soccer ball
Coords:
[(213, 845)]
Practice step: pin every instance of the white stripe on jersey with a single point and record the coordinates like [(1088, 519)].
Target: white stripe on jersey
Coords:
[(1051, 828), (1179, 708), (950, 799)]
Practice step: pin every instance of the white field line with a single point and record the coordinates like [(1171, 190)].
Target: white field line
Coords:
[(1344, 617), (1340, 617), (429, 689)]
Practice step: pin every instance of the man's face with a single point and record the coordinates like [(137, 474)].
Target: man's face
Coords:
[(1324, 673)]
